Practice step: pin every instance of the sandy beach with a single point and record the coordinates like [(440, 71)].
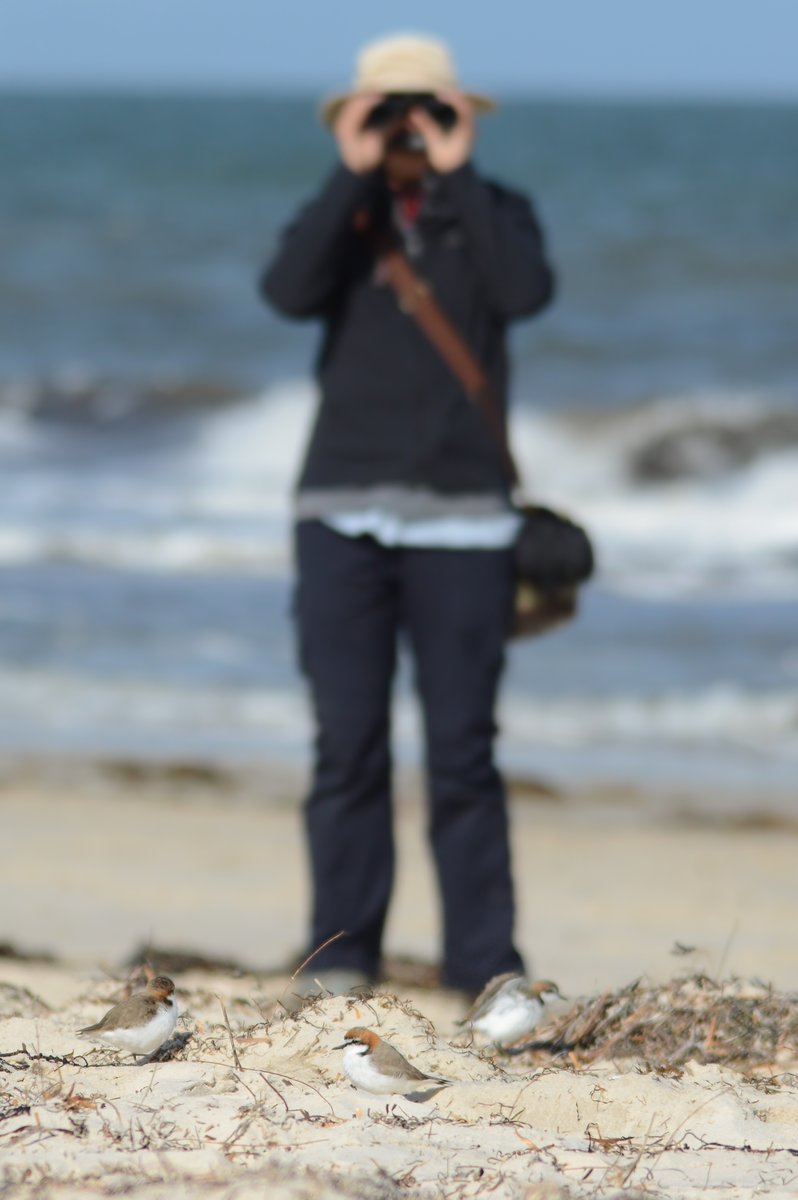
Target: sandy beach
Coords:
[(98, 862)]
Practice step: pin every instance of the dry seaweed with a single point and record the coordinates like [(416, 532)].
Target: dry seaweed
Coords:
[(733, 1022)]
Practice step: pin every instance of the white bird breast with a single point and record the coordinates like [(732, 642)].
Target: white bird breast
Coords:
[(358, 1067), (145, 1038), (509, 1017)]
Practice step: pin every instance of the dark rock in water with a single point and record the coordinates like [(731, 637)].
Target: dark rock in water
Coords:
[(707, 448)]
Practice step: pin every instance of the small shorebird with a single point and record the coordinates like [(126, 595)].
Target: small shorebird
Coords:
[(140, 1024), (509, 1007), (375, 1066)]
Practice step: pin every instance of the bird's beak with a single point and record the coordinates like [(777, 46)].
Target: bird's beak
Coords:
[(343, 1046)]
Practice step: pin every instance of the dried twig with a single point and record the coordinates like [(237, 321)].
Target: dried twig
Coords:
[(276, 1091), (341, 933), (236, 1059)]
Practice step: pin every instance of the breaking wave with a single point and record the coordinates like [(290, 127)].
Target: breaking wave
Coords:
[(684, 495)]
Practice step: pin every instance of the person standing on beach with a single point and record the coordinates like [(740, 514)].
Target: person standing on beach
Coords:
[(403, 518)]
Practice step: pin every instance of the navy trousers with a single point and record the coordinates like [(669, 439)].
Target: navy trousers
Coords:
[(354, 597)]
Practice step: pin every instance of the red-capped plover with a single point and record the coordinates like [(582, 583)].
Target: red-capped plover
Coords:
[(140, 1024), (376, 1066)]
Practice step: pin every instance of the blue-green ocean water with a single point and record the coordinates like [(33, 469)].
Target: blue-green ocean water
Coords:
[(152, 414)]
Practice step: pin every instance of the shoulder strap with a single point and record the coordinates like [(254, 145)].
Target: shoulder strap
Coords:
[(415, 298)]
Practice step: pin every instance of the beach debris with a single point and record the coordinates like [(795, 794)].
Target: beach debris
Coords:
[(734, 1022)]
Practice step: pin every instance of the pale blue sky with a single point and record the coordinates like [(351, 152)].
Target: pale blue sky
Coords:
[(724, 48)]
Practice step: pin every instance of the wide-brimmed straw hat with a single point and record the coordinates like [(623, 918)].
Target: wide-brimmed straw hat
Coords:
[(402, 63)]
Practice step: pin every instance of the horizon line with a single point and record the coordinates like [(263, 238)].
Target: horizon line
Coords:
[(311, 94)]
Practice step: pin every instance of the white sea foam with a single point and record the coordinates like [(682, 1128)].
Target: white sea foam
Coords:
[(177, 549), (723, 714)]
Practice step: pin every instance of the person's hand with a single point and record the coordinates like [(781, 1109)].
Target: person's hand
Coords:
[(447, 149), (361, 149)]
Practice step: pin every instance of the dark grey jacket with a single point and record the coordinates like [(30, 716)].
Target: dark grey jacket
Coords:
[(391, 412)]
